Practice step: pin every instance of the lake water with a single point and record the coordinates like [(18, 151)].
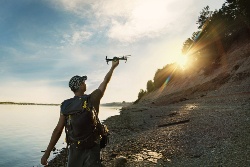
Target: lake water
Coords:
[(25, 131)]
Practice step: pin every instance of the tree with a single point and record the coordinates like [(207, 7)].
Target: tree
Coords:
[(187, 46), (141, 93), (161, 75), (204, 17), (150, 86), (159, 78), (239, 9)]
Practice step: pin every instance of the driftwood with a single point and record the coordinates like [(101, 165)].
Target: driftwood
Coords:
[(174, 123)]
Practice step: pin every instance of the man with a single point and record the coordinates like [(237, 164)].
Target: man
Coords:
[(80, 157)]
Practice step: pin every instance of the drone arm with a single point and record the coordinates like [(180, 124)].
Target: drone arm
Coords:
[(117, 58)]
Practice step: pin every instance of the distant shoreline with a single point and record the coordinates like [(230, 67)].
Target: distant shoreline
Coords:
[(15, 103), (116, 104), (113, 104)]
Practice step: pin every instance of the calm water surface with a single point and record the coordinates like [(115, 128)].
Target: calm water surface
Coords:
[(25, 131)]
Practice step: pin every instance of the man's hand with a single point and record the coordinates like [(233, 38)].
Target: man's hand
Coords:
[(115, 63), (44, 159), (54, 138)]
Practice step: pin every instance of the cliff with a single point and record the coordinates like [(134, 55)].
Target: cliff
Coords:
[(233, 74)]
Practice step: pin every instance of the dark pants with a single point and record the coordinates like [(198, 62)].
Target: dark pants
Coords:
[(84, 157)]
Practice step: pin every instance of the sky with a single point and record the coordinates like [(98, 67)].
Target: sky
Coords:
[(44, 43)]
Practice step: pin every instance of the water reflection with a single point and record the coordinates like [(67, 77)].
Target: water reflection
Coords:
[(191, 106), (147, 155)]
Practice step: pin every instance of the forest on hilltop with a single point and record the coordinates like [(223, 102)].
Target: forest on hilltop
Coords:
[(217, 31)]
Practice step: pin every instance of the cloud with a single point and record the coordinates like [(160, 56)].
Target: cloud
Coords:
[(128, 21), (80, 36), (77, 37), (82, 8), (147, 19)]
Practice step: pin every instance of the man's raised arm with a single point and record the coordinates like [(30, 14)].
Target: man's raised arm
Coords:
[(108, 76)]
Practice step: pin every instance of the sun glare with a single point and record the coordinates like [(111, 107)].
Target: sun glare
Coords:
[(182, 61)]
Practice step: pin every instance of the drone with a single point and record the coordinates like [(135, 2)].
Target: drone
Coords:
[(117, 58)]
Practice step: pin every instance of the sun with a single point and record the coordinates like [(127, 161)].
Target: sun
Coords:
[(182, 61)]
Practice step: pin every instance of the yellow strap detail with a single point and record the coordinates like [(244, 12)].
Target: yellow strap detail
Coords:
[(85, 104)]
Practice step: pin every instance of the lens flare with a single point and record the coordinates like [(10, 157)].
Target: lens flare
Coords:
[(167, 80), (182, 61)]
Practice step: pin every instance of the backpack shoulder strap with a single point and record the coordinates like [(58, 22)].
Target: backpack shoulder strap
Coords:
[(74, 105), (86, 102)]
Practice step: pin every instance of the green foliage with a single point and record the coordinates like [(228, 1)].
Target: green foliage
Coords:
[(162, 74), (238, 9), (204, 17), (187, 45), (150, 86), (141, 93)]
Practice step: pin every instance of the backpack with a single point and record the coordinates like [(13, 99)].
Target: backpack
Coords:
[(81, 122)]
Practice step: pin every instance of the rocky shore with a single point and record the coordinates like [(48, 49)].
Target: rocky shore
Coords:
[(205, 132), (214, 132), (206, 124)]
